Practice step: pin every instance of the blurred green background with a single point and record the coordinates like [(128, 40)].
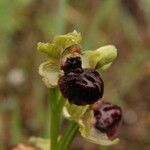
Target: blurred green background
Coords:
[(23, 96)]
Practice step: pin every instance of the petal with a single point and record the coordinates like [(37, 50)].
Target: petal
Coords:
[(74, 112), (59, 44), (108, 54), (50, 73), (100, 59), (96, 137), (86, 59), (90, 133)]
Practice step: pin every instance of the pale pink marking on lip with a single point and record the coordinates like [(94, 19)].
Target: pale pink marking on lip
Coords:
[(108, 118)]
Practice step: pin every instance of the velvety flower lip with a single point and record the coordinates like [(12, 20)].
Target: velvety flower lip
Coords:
[(107, 118), (80, 86)]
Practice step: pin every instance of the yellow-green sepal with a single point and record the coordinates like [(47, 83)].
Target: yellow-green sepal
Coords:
[(59, 44), (107, 55), (51, 50), (99, 59), (50, 72), (74, 112), (67, 40)]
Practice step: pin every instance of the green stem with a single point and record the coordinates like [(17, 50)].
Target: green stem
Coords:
[(53, 136), (68, 136), (56, 104), (53, 119)]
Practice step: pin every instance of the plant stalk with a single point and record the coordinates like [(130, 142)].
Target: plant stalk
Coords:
[(68, 136), (56, 105)]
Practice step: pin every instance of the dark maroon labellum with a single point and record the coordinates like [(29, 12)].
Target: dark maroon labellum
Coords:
[(80, 86), (108, 118)]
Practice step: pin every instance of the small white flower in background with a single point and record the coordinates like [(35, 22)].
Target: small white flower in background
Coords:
[(16, 77)]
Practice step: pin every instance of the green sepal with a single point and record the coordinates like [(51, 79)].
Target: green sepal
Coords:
[(59, 44), (107, 55), (67, 40), (74, 112), (99, 59), (51, 50), (50, 72)]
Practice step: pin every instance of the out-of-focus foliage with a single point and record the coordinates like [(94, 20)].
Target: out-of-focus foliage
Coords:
[(23, 97)]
